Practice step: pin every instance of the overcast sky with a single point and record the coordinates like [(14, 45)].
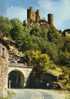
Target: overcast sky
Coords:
[(17, 9)]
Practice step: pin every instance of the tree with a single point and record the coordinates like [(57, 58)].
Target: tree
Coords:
[(5, 26)]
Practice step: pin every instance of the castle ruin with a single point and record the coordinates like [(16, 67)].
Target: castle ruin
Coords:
[(34, 17)]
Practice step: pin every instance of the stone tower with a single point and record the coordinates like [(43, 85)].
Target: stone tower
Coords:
[(37, 16), (50, 19), (29, 14), (32, 16), (3, 70)]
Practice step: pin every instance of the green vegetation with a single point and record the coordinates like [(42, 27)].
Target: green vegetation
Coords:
[(67, 96), (43, 48), (9, 96)]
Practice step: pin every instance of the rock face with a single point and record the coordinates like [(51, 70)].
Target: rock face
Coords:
[(3, 69)]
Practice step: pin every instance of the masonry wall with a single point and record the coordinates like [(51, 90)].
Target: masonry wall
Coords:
[(3, 70), (32, 16)]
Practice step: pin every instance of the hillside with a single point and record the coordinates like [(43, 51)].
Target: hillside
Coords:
[(45, 49)]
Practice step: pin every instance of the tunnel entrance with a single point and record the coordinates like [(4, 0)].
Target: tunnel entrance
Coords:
[(15, 80)]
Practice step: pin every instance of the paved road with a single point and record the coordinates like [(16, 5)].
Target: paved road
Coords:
[(37, 94)]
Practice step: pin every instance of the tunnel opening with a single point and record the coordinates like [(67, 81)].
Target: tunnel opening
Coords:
[(15, 80)]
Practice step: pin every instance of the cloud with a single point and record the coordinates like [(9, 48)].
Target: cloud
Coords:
[(60, 9), (63, 15), (65, 9), (48, 5), (16, 12), (3, 7)]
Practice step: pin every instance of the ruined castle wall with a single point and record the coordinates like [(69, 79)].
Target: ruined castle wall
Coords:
[(50, 19), (37, 16), (3, 69), (32, 16)]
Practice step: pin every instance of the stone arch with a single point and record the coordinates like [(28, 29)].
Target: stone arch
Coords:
[(16, 79)]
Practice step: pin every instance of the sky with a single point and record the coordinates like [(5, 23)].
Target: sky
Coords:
[(18, 9)]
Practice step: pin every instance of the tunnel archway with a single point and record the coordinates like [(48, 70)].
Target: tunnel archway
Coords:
[(15, 79)]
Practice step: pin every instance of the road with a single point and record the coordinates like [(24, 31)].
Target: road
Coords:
[(37, 94)]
